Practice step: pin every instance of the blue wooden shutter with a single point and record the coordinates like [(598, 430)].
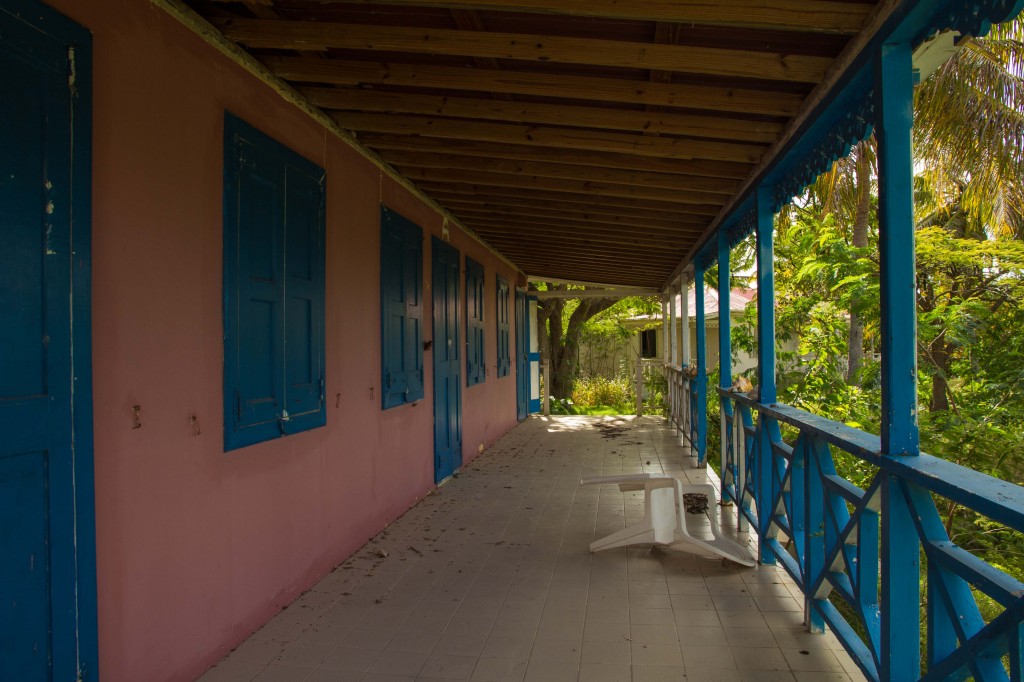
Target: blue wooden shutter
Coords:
[(504, 360), (401, 289), (254, 233), (304, 302), (476, 369), (273, 288), (413, 271)]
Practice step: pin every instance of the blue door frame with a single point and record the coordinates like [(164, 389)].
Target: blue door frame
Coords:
[(47, 519), (522, 357), (447, 360), (534, 356)]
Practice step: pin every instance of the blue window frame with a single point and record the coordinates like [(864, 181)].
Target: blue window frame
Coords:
[(504, 357), (401, 309), (476, 367), (273, 288)]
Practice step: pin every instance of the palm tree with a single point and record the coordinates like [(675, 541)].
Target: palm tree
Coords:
[(969, 137), (969, 147)]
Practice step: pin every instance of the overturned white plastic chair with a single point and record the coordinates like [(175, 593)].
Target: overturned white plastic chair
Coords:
[(665, 521)]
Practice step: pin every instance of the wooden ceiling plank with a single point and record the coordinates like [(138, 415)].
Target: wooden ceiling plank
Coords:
[(591, 88), (564, 138), (561, 171), (626, 253), (595, 261), (319, 35), (714, 127), (817, 16), (711, 202), (595, 212), (517, 229), (578, 157), (543, 227), (567, 197), (597, 220), (610, 223)]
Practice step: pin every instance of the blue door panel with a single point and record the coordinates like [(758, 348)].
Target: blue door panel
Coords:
[(447, 361), (47, 567), (24, 572)]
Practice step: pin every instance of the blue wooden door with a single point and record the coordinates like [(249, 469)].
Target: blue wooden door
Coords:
[(522, 357), (47, 547), (447, 361)]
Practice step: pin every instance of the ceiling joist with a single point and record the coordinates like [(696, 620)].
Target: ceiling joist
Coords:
[(578, 157), (764, 102), (323, 36), (681, 183), (713, 127), (550, 136), (817, 16)]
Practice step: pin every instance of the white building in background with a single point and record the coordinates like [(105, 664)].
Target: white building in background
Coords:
[(619, 355)]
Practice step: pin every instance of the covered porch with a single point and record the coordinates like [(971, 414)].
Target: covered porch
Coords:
[(490, 578), (293, 298)]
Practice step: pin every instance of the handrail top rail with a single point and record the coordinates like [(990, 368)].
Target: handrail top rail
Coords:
[(999, 500)]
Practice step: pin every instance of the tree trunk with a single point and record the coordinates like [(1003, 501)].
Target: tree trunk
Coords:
[(855, 349), (561, 340), (940, 388)]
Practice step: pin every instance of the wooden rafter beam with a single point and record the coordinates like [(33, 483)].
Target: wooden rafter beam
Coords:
[(581, 271), (582, 257), (584, 266), (688, 197), (578, 211), (542, 225), (542, 195), (649, 252), (715, 127), (683, 183), (693, 97), (386, 143), (563, 138), (315, 35), (597, 220), (818, 16)]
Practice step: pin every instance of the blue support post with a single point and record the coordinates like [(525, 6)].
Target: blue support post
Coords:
[(702, 364), (765, 367), (900, 599), (895, 101), (814, 528), (765, 298), (900, 614), (724, 345), (725, 361)]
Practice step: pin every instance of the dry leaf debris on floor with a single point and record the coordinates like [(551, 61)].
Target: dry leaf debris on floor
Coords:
[(490, 578)]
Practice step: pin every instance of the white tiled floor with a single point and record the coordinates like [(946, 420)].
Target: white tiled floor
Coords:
[(490, 578)]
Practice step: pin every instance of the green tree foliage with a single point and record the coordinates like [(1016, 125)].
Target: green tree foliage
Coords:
[(565, 322)]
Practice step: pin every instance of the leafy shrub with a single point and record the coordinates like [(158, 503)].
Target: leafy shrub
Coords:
[(589, 392)]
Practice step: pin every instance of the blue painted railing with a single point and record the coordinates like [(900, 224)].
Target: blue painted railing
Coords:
[(682, 408), (828, 533)]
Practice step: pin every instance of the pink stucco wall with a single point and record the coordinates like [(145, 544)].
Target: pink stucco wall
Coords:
[(197, 547)]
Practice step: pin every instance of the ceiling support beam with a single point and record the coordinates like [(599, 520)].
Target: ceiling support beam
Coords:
[(690, 125), (319, 35), (764, 102), (818, 16), (550, 136)]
